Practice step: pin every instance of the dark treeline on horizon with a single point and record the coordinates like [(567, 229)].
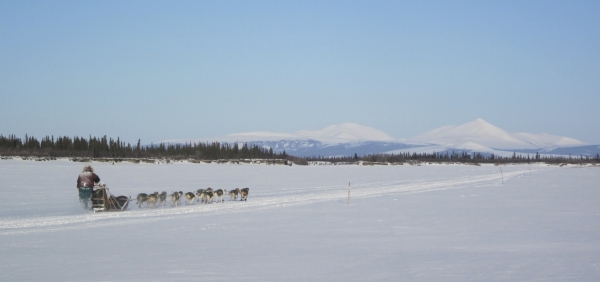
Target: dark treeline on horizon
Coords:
[(103, 147), (464, 157)]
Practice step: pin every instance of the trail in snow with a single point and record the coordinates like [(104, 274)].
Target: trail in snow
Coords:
[(257, 201)]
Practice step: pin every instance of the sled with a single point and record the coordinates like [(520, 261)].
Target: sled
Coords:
[(103, 201)]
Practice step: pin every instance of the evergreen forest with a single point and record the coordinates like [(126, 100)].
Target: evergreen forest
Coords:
[(103, 147), (109, 148)]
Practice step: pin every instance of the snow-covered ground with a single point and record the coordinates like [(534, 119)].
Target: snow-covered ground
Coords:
[(404, 223)]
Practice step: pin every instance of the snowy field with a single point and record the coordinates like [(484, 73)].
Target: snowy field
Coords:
[(404, 223)]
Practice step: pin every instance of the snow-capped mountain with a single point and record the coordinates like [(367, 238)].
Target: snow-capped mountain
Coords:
[(347, 131), (480, 134), (335, 134), (349, 138), (545, 140), (336, 140)]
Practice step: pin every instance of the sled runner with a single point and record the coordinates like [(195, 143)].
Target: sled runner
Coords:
[(103, 201)]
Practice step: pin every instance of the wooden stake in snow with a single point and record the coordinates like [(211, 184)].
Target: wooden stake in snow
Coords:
[(348, 193), (502, 175)]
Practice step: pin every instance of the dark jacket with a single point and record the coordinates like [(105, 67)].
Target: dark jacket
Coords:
[(87, 179)]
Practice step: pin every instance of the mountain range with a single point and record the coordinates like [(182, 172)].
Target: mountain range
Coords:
[(480, 134), (349, 138)]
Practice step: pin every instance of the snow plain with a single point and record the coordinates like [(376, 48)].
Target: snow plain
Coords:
[(404, 223)]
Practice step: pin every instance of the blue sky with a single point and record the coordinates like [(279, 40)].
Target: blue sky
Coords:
[(160, 70)]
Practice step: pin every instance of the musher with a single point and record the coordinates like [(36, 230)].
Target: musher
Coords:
[(85, 185)]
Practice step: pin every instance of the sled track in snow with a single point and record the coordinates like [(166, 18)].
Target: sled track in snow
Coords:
[(257, 201)]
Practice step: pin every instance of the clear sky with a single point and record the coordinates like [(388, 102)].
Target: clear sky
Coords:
[(160, 70)]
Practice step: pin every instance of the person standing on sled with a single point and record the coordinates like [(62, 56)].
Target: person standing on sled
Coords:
[(85, 185)]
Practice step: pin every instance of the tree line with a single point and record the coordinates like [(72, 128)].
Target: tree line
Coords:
[(454, 157), (103, 147)]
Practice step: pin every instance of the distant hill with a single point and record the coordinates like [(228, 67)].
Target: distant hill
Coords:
[(346, 139), (481, 134), (309, 148)]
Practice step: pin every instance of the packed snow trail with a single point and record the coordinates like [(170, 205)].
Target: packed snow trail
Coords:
[(256, 201)]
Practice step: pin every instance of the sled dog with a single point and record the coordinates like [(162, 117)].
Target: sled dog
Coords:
[(162, 198), (233, 194), (189, 196), (152, 199), (141, 198), (208, 197), (174, 198), (244, 193), (199, 196), (219, 194), (204, 196)]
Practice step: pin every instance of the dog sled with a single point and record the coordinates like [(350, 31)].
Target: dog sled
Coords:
[(103, 201)]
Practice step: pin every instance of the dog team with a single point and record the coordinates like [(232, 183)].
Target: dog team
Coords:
[(202, 195)]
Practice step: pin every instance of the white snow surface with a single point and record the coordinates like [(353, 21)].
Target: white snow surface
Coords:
[(481, 133), (403, 223)]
